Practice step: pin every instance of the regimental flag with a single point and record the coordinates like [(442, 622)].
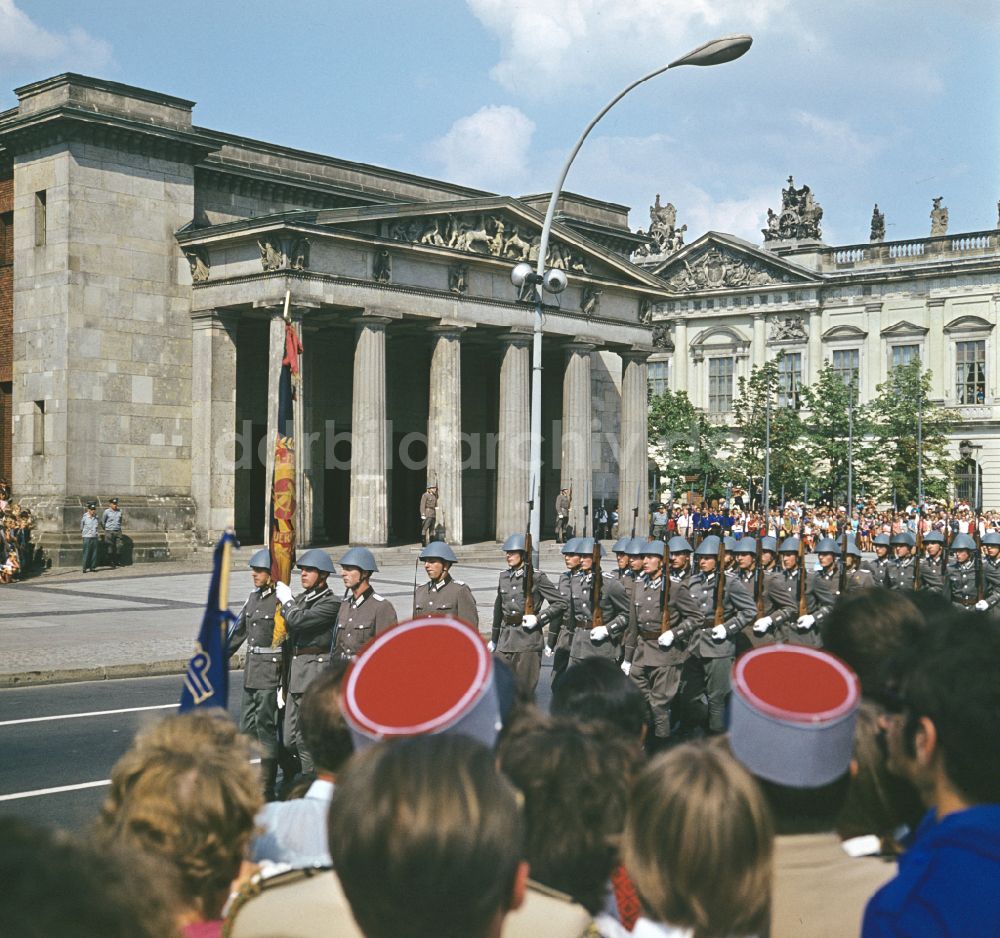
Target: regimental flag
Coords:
[(206, 681), (283, 506)]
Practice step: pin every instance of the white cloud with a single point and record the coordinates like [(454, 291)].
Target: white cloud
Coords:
[(564, 42), (22, 40), (488, 149), (837, 139)]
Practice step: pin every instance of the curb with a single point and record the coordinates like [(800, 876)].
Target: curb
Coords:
[(111, 672)]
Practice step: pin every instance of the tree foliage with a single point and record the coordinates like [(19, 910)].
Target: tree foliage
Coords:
[(684, 442)]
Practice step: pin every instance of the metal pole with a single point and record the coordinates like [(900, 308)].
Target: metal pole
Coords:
[(850, 453), (920, 446), (767, 453)]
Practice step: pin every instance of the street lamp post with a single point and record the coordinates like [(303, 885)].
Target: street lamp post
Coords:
[(850, 452), (554, 281)]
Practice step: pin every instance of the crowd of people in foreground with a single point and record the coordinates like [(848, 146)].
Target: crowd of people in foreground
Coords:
[(852, 792), (16, 547)]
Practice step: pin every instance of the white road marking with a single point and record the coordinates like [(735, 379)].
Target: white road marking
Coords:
[(92, 713)]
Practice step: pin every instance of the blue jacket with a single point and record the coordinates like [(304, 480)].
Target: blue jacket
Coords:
[(948, 883)]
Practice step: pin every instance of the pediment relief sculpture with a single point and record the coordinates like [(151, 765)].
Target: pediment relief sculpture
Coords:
[(277, 253), (788, 329), (483, 233), (718, 268)]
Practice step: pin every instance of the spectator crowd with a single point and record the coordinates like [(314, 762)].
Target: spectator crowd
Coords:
[(856, 791), (17, 551)]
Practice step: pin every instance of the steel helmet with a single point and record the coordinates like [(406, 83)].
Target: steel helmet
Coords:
[(745, 545), (709, 547), (963, 542), (360, 557), (827, 545), (904, 537), (514, 542), (881, 540), (990, 539), (315, 559), (619, 546), (438, 550), (570, 547), (635, 546), (260, 559), (936, 537), (679, 545), (790, 545), (653, 549), (769, 543)]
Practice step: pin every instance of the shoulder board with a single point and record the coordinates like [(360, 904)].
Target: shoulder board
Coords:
[(459, 582), (381, 599)]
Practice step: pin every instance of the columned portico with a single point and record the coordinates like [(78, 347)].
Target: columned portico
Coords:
[(514, 435), (213, 401), (369, 449), (444, 427), (577, 449), (632, 463)]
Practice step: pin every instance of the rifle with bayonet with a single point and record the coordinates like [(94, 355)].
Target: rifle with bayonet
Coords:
[(758, 579), (595, 594), (720, 583), (842, 585), (665, 614), (803, 601), (529, 567)]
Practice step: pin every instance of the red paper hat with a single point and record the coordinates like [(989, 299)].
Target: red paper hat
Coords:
[(793, 715), (425, 676)]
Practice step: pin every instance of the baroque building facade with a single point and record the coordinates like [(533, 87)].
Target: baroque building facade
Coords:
[(150, 262), (732, 305)]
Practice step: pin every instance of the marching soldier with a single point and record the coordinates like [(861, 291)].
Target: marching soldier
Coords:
[(879, 565), (743, 580), (711, 646), (654, 659), (679, 551), (562, 515), (311, 618), (963, 577), (623, 572), (933, 568), (561, 629), (441, 595), (262, 668), (857, 577), (782, 598), (363, 612), (991, 562), (517, 636), (589, 640), (899, 573), (769, 555), (428, 514)]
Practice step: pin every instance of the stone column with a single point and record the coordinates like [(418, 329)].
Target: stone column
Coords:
[(814, 349), (369, 450), (514, 436), (759, 343), (937, 344), (633, 475), (213, 434), (577, 461), (876, 352), (444, 428), (681, 355)]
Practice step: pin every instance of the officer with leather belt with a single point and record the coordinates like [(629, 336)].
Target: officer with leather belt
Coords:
[(363, 612), (589, 640), (261, 669), (517, 637), (441, 595), (560, 631), (310, 618)]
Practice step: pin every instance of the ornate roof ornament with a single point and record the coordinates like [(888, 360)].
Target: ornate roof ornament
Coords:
[(799, 218), (878, 226), (939, 218), (718, 269), (664, 236)]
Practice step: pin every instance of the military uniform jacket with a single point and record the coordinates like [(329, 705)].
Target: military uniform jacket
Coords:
[(255, 626), (738, 610), (428, 505), (310, 618), (447, 597), (360, 619), (878, 568), (782, 594), (899, 574), (860, 579), (646, 616), (562, 506), (991, 580), (561, 626), (963, 584), (934, 575), (579, 617), (508, 610)]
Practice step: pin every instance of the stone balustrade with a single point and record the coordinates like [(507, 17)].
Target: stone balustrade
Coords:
[(964, 244)]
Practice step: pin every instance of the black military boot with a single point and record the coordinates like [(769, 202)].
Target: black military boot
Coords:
[(268, 777)]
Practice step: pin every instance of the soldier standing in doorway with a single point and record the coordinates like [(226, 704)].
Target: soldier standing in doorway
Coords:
[(562, 515), (428, 514)]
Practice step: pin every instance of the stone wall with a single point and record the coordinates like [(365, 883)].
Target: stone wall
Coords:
[(606, 384)]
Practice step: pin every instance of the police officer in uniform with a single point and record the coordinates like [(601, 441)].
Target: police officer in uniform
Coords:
[(562, 515), (441, 595), (363, 612), (428, 514), (654, 659), (111, 521), (589, 640), (899, 573), (517, 637), (311, 618), (711, 646), (963, 578), (261, 669), (560, 632), (879, 564)]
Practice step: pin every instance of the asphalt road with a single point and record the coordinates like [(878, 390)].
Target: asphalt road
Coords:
[(60, 741)]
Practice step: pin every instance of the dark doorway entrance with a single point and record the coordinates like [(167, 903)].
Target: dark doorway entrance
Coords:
[(337, 492), (409, 475)]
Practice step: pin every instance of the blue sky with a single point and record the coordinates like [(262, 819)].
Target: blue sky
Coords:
[(889, 101)]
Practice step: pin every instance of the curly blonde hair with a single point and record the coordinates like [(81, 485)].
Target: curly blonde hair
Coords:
[(186, 792)]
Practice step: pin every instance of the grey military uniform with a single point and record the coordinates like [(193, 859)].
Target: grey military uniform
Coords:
[(519, 646), (963, 584), (782, 592), (991, 580), (934, 575), (655, 670), (580, 618), (899, 574), (560, 631), (562, 516), (447, 597), (360, 619), (261, 670), (428, 515), (310, 618), (878, 569)]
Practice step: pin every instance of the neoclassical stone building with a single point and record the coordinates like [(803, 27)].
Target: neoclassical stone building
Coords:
[(148, 261), (731, 305)]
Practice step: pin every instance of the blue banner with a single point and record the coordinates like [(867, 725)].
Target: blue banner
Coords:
[(206, 681)]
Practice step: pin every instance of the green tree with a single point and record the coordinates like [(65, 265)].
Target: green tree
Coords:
[(829, 404), (900, 402), (684, 442), (791, 458)]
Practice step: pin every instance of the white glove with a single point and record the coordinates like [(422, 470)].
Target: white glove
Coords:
[(548, 652), (981, 606), (666, 639), (281, 698), (283, 591), (719, 633), (599, 633), (762, 625), (530, 622), (626, 667), (806, 622), (490, 646)]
